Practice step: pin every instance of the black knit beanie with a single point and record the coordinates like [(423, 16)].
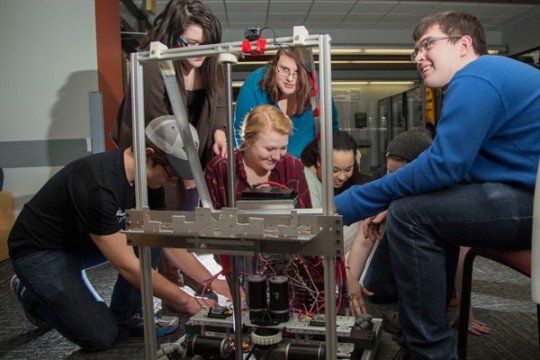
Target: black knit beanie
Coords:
[(410, 144)]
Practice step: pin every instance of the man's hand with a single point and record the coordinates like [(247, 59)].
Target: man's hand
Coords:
[(475, 327), (191, 305), (222, 288), (373, 227)]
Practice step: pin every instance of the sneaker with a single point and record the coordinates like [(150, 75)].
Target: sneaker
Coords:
[(392, 326), (18, 289), (135, 325)]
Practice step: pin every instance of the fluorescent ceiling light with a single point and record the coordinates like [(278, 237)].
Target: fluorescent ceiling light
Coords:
[(337, 62), (353, 51), (238, 84), (348, 83), (370, 62)]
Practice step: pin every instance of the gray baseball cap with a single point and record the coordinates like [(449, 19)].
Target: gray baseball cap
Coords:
[(163, 132)]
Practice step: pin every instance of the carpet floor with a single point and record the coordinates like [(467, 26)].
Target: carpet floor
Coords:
[(501, 299)]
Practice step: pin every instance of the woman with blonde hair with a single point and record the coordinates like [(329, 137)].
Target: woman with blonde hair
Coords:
[(261, 158)]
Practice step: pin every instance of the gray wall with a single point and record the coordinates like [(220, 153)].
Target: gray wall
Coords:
[(49, 68)]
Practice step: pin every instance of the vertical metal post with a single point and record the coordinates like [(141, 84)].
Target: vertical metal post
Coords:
[(231, 182), (328, 191), (141, 200), (231, 175)]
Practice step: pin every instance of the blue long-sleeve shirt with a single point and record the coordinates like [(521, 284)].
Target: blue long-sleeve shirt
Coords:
[(489, 131), (251, 95)]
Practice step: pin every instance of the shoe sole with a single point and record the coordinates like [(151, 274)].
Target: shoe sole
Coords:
[(15, 285)]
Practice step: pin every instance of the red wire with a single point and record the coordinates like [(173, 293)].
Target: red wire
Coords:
[(271, 183)]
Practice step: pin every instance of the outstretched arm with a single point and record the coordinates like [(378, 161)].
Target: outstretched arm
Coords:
[(360, 250), (191, 265), (114, 247)]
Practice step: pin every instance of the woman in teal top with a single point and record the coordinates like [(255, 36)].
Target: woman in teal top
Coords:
[(285, 84)]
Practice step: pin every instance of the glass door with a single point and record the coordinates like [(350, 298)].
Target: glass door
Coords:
[(383, 121), (397, 118), (414, 113)]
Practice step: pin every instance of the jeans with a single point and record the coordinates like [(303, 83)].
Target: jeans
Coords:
[(59, 293), (424, 234), (379, 277)]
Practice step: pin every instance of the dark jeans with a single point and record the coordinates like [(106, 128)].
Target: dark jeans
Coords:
[(424, 234), (379, 277), (59, 293)]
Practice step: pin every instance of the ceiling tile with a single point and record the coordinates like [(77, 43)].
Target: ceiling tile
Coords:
[(247, 19), (360, 18), (402, 18), (290, 19), (356, 25), (242, 7), (332, 19), (414, 7), (216, 6), (351, 14), (492, 9), (457, 6), (289, 6), (332, 6), (378, 7), (519, 10), (396, 25)]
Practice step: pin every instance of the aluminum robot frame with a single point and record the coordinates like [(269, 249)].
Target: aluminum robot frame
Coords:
[(233, 230)]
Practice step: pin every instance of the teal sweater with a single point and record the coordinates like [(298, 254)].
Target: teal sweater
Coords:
[(251, 95)]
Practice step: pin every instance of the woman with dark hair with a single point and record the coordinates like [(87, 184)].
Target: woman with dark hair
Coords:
[(284, 83), (345, 174), (183, 23), (345, 169)]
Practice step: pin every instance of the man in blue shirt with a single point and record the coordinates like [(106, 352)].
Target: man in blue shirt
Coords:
[(473, 187)]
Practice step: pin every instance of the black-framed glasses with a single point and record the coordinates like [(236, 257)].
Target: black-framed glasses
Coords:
[(190, 43), (170, 173), (286, 72), (425, 44)]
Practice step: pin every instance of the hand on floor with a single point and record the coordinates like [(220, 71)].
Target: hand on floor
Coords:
[(476, 327)]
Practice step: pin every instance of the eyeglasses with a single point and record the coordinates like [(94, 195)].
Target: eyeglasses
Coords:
[(169, 172), (190, 43), (286, 72), (425, 44)]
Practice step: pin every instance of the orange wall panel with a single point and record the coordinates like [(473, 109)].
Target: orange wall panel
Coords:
[(109, 53)]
